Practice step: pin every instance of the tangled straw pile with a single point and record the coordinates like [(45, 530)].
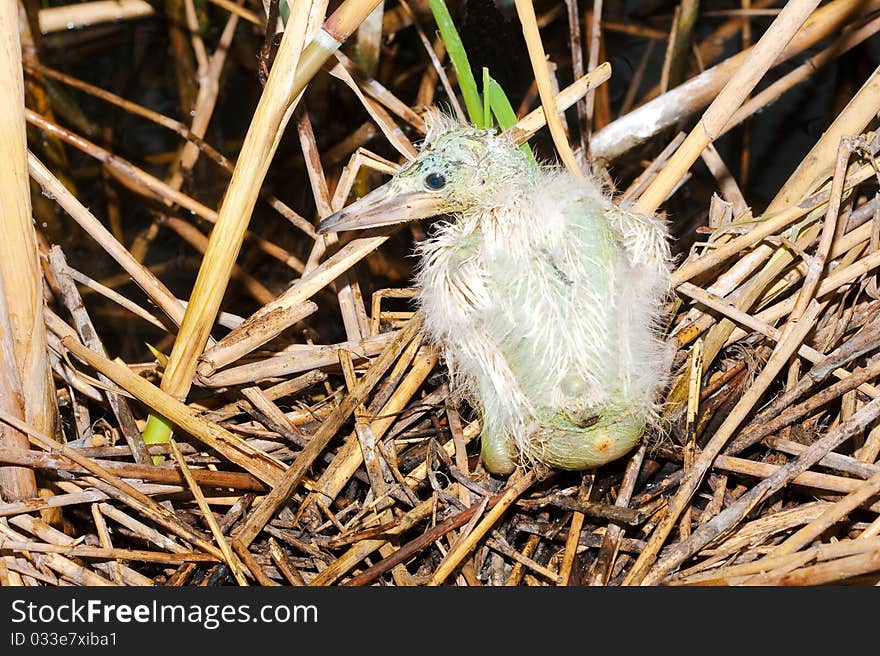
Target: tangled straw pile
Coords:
[(312, 441)]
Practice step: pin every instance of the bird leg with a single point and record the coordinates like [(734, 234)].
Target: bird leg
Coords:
[(498, 450)]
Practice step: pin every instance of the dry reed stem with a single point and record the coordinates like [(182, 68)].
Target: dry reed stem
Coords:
[(241, 12), (817, 481), (469, 540), (15, 482), (206, 99), (760, 58), (388, 127), (348, 460), (103, 532), (435, 53), (832, 515), (207, 513), (296, 359), (205, 477), (116, 487), (20, 278), (283, 564), (733, 574), (770, 225), (735, 512), (819, 163), (93, 285), (148, 282), (72, 571), (85, 14), (587, 107), (535, 120), (139, 528), (758, 326), (86, 330), (194, 237), (369, 41), (853, 118), (378, 92), (283, 488), (351, 303), (176, 127), (526, 12), (837, 570), (268, 123), (784, 350), (57, 501), (651, 118), (364, 548), (132, 176), (101, 553), (608, 550), (284, 86), (571, 544), (772, 91), (264, 467)]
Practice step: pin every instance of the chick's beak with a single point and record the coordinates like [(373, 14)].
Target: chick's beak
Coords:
[(383, 207)]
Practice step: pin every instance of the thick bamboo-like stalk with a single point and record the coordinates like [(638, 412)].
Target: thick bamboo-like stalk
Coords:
[(760, 58), (22, 282), (288, 78), (16, 483), (76, 15)]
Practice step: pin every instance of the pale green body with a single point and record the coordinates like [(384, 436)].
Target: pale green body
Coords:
[(544, 306), (542, 294)]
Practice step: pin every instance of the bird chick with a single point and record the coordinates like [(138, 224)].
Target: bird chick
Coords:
[(542, 295)]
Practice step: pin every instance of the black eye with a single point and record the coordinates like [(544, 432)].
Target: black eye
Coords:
[(435, 181)]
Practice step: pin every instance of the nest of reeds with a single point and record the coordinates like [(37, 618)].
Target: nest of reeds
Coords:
[(197, 389)]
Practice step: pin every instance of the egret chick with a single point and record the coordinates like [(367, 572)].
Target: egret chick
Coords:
[(542, 295)]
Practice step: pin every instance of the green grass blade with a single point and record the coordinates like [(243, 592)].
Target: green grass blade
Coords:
[(501, 108), (487, 112), (458, 57)]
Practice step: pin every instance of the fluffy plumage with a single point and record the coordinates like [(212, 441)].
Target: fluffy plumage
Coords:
[(543, 297)]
